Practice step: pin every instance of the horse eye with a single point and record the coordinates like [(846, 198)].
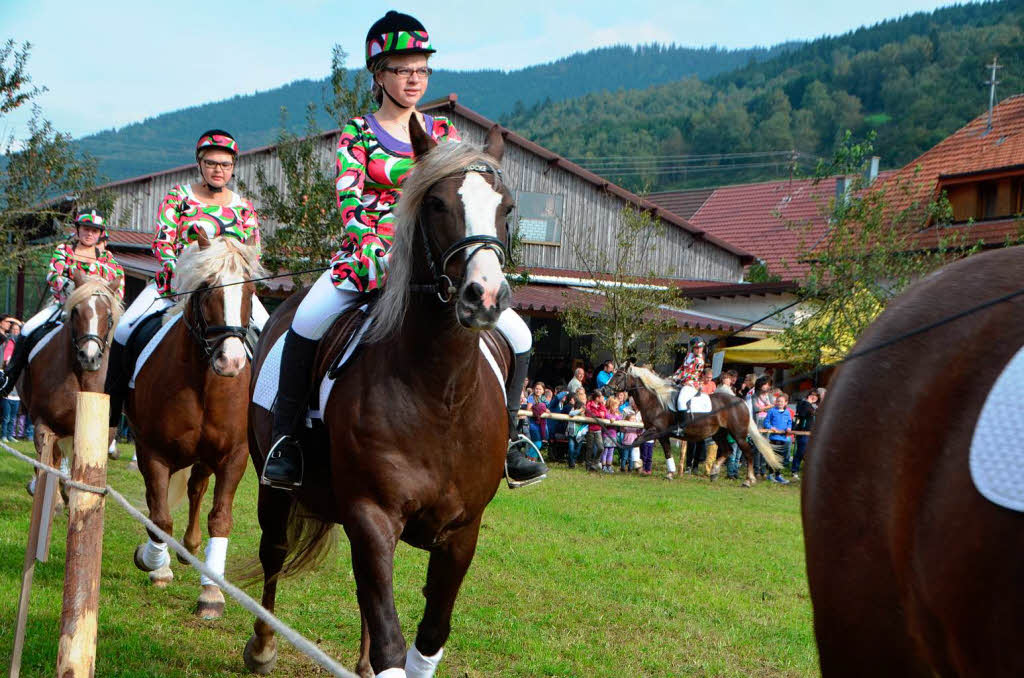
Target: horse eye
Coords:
[(435, 203)]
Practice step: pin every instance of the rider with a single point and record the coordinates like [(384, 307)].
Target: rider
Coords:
[(374, 157), (80, 253), (688, 376), (208, 206)]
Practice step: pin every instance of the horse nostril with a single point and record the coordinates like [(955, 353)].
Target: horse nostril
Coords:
[(473, 293)]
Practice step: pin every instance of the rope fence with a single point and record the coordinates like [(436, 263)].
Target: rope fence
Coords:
[(619, 423)]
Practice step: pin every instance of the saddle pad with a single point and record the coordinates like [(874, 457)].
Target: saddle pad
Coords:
[(41, 344), (997, 454), (700, 403), (151, 346)]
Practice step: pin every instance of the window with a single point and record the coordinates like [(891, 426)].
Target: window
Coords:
[(988, 193), (540, 217)]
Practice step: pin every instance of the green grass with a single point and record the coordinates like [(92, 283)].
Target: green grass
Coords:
[(584, 575)]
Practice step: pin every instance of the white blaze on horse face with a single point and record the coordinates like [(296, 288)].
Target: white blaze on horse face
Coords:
[(92, 348), (480, 203), (232, 350)]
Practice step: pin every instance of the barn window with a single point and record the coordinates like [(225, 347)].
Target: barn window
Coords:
[(540, 217)]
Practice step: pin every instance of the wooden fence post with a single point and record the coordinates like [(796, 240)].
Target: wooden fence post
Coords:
[(76, 653)]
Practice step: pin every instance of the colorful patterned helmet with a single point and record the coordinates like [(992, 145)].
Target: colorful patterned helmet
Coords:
[(91, 217), (696, 342), (216, 138), (396, 33)]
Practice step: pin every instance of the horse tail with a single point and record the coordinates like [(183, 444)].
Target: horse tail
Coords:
[(310, 541), (761, 443), (177, 487)]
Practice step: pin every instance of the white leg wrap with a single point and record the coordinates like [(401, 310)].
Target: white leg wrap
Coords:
[(216, 557), (155, 555), (671, 463), (420, 666), (515, 329), (391, 673)]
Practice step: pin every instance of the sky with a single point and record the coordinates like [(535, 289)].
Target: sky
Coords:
[(107, 63)]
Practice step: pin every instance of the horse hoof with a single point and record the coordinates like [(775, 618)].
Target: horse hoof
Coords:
[(670, 476), (713, 477), (161, 577), (263, 663), (133, 466), (746, 483), (181, 558), (211, 603), (138, 559), (113, 452), (30, 487)]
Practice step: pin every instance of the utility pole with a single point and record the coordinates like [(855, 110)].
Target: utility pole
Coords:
[(992, 82)]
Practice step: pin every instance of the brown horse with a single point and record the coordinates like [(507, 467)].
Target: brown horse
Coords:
[(74, 360), (729, 415), (912, 571), (186, 411), (416, 430)]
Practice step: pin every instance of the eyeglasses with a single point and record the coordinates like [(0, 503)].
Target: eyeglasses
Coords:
[(213, 164), (405, 72)]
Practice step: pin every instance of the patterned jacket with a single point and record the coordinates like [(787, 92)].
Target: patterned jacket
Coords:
[(182, 215), (372, 165), (689, 372), (64, 262)]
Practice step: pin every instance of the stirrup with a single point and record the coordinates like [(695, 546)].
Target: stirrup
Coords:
[(275, 452), (515, 484)]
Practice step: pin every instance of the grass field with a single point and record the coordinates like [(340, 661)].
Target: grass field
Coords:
[(584, 575)]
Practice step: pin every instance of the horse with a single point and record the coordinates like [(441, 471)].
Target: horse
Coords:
[(185, 408), (728, 415), (912, 570), (73, 360), (415, 447)]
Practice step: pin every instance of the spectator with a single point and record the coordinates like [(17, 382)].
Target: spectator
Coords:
[(605, 375), (748, 385), (628, 436), (610, 435), (595, 445), (576, 383), (576, 431), (647, 457), (727, 383), (805, 413), (9, 328), (537, 406), (761, 402), (707, 381), (779, 423)]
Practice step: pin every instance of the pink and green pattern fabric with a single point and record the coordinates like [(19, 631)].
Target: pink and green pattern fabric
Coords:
[(216, 141), (398, 42), (91, 218), (371, 169), (64, 262), (182, 216)]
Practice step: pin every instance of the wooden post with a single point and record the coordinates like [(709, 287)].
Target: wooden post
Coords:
[(76, 653), (42, 516)]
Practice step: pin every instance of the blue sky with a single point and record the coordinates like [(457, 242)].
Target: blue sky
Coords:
[(112, 62)]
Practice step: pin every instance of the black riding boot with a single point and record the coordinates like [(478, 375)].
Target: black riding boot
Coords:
[(116, 384), (19, 358), (682, 420), (521, 470), (283, 467)]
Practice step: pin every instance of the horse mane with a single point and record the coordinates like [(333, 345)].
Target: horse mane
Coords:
[(444, 160), (224, 257), (650, 379), (93, 285)]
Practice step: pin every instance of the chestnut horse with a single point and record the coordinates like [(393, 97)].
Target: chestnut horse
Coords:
[(416, 428), (187, 407), (74, 360), (729, 415), (912, 571)]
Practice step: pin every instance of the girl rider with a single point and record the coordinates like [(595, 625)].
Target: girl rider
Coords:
[(185, 211), (374, 157), (688, 375), (81, 253)]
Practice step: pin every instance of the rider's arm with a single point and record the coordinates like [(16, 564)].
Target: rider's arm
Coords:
[(166, 244), (114, 272), (444, 130), (59, 270), (251, 226), (351, 165)]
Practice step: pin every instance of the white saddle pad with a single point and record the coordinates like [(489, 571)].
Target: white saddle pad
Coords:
[(997, 447), (44, 341), (151, 346), (700, 403)]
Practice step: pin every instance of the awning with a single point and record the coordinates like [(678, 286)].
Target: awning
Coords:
[(764, 352)]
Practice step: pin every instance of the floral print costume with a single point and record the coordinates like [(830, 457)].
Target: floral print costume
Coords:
[(182, 215), (689, 372), (372, 165), (64, 262)]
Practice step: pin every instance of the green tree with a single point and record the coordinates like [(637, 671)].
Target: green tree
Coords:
[(629, 321)]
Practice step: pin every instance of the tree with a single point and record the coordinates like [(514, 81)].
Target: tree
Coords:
[(308, 225), (629, 321), (16, 88)]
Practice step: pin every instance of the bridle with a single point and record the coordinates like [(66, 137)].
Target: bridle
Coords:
[(209, 337), (444, 286), (103, 340)]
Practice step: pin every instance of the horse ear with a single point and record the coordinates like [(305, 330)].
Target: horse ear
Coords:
[(203, 239), (495, 144), (420, 140)]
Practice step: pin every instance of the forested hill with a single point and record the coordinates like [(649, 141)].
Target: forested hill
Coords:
[(912, 81), (165, 141)]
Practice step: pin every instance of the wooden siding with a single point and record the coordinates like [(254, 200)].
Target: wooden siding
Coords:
[(588, 209)]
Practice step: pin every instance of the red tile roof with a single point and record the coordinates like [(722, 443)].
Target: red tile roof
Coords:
[(684, 203)]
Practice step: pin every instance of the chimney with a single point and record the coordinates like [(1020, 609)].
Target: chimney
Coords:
[(871, 173)]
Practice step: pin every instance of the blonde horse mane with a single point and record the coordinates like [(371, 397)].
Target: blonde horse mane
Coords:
[(99, 287), (444, 160), (659, 386), (224, 257)]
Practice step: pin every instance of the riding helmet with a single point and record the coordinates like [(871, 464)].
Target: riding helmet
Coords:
[(396, 33), (216, 138)]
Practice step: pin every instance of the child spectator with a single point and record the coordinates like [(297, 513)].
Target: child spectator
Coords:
[(576, 431), (805, 413), (707, 381), (538, 426), (628, 436), (595, 444), (779, 423), (761, 402), (610, 435), (647, 457)]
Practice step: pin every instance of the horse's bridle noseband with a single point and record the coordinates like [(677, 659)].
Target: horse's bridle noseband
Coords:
[(443, 286), (209, 337), (79, 341)]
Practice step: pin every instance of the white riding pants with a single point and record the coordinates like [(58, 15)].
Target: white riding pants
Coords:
[(149, 302), (33, 323), (685, 394), (325, 302)]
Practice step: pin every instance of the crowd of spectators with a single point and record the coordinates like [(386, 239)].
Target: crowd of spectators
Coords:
[(14, 424), (609, 449)]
